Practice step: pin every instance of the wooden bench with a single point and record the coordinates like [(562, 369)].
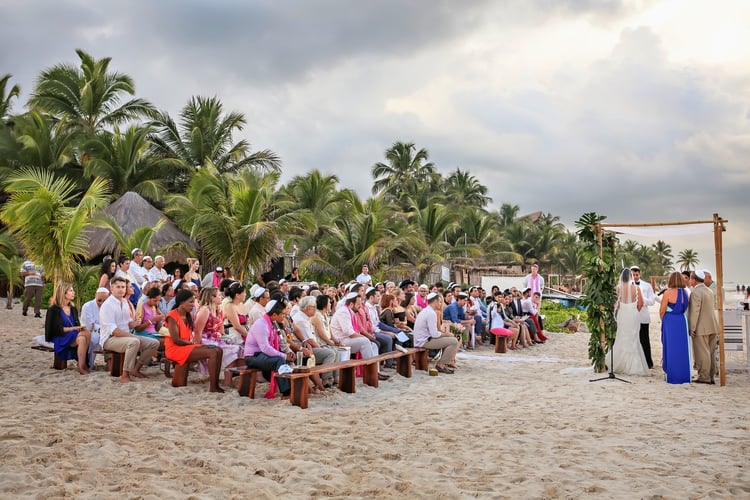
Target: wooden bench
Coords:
[(59, 364), (300, 381)]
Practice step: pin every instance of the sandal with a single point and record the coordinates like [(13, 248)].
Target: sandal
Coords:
[(445, 369)]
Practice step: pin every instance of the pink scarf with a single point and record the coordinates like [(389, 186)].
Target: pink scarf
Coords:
[(216, 282), (273, 339), (355, 323)]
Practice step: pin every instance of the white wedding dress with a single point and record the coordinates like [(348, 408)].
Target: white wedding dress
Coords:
[(626, 356)]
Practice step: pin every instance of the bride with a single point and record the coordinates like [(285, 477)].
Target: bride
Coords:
[(626, 356)]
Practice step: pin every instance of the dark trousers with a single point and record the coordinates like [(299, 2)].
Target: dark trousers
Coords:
[(646, 344), (267, 364), (33, 292)]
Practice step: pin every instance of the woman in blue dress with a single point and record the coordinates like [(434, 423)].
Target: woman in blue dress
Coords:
[(63, 328), (677, 361)]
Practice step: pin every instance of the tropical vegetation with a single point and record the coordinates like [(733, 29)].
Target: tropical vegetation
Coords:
[(86, 138)]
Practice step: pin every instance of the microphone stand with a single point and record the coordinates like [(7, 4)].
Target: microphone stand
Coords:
[(611, 375)]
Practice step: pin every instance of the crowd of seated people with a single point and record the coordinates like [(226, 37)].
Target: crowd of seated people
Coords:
[(139, 309)]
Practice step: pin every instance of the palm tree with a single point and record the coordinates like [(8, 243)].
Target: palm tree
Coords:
[(427, 234), (205, 135), (124, 159), (10, 263), (88, 97), (5, 98), (508, 213), (47, 216), (405, 172), (462, 188), (663, 253), (688, 259), (232, 217)]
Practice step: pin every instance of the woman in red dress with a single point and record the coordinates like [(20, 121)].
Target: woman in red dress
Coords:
[(179, 346)]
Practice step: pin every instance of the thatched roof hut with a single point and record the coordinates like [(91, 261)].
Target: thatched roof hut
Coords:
[(132, 212)]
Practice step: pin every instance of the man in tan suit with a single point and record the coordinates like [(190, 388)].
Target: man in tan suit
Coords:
[(704, 327)]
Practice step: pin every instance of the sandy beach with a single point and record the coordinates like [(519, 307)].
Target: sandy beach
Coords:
[(504, 426)]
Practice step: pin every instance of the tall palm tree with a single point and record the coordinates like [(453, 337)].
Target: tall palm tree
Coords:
[(47, 216), (232, 217), (462, 188), (508, 213), (688, 259), (88, 97), (406, 170), (204, 135), (663, 253), (427, 234), (10, 263), (124, 159)]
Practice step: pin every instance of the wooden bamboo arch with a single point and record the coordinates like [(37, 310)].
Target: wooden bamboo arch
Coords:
[(719, 228)]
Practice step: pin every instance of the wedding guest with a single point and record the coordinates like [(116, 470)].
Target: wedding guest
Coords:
[(304, 332), (209, 328), (181, 346), (427, 334), (534, 280), (676, 356), (235, 312), (704, 328), (107, 272), (192, 273), (90, 319), (63, 328), (148, 316), (116, 322), (346, 330), (262, 346)]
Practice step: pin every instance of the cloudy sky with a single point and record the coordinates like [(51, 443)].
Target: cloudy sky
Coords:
[(637, 110)]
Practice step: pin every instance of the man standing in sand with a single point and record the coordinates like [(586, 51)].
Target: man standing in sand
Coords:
[(364, 277), (33, 287), (703, 327), (649, 299), (114, 335), (534, 280)]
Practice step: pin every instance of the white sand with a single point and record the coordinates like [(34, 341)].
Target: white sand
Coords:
[(495, 429)]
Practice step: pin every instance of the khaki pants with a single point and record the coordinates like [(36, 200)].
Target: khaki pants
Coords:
[(448, 345), (130, 346), (705, 361), (33, 292)]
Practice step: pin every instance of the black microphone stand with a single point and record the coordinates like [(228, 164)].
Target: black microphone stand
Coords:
[(611, 375)]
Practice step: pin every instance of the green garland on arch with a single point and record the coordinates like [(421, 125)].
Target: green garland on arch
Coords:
[(599, 294)]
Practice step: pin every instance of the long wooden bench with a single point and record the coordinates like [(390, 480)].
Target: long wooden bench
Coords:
[(115, 362), (300, 381)]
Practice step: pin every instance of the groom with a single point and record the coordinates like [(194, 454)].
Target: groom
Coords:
[(649, 299)]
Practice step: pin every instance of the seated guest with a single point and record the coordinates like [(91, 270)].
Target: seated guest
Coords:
[(530, 308), (500, 324), (63, 328), (262, 346), (456, 314), (167, 299), (192, 274), (346, 330), (148, 315), (209, 328), (411, 310), (181, 346), (158, 273), (399, 311), (256, 305), (517, 309), (303, 330), (214, 278), (421, 297), (384, 336), (427, 334), (116, 321), (90, 319), (320, 322), (235, 312), (107, 272)]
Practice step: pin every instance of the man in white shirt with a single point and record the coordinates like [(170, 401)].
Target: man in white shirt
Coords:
[(90, 319), (649, 299), (256, 307), (427, 335), (343, 329), (158, 273), (364, 277), (114, 332), (534, 280), (136, 270)]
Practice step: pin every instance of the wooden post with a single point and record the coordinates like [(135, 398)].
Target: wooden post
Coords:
[(718, 229)]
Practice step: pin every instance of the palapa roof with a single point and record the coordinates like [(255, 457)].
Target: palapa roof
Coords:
[(132, 212)]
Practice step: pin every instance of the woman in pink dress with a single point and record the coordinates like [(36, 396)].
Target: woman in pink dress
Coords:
[(209, 328)]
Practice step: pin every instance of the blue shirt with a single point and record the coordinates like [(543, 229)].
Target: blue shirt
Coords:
[(454, 313)]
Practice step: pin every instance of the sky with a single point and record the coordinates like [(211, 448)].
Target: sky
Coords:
[(637, 110)]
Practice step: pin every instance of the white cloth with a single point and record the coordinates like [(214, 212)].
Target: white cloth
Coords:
[(341, 324), (626, 356), (536, 284), (303, 325), (90, 315), (139, 273)]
